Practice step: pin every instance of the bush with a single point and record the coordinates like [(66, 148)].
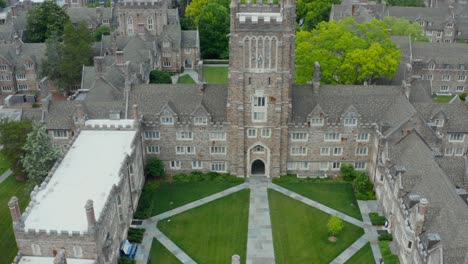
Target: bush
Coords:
[(125, 260), (387, 255), (347, 172), (160, 77), (385, 237), (154, 168), (335, 225), (135, 235), (362, 183), (197, 176), (144, 204), (102, 30), (463, 96), (376, 219)]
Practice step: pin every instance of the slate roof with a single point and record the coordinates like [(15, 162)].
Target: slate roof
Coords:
[(454, 168), (184, 99), (79, 14), (437, 15), (441, 53), (379, 104), (108, 88), (190, 39), (456, 113), (60, 115), (34, 51), (446, 210)]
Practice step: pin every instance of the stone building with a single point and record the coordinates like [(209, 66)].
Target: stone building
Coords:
[(93, 17), (95, 203)]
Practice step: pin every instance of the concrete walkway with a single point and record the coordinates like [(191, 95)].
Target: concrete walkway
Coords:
[(259, 238), (371, 231), (193, 74), (5, 175), (351, 250)]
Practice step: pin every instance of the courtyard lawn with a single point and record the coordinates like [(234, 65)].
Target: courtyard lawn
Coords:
[(8, 188), (215, 75), (186, 79), (213, 232), (387, 255), (300, 233), (336, 195), (442, 99), (363, 256), (4, 164), (159, 197), (159, 254)]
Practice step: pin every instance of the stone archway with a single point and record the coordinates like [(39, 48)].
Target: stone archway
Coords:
[(258, 168)]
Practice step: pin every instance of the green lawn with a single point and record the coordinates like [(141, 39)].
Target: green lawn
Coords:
[(159, 254), (442, 99), (213, 232), (4, 164), (215, 75), (10, 187), (300, 234), (363, 256), (159, 197), (387, 255), (186, 79), (339, 196)]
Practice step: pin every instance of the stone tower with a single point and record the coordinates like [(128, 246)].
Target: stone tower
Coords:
[(261, 70)]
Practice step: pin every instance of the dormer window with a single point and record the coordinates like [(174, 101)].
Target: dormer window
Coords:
[(316, 121), (150, 23), (431, 66), (167, 120), (105, 21), (450, 25), (200, 121), (461, 67), (29, 66), (456, 137), (350, 121), (439, 122), (166, 44), (3, 67)]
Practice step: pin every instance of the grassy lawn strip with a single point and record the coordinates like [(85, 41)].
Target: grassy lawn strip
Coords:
[(10, 187), (387, 255), (364, 255), (215, 75), (186, 79), (300, 233), (4, 164), (213, 232), (156, 199), (160, 254), (442, 99), (339, 196)]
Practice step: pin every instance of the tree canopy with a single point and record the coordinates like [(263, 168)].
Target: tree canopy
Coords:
[(214, 27), (195, 8), (402, 27), (335, 225), (102, 30), (157, 76), (46, 18), (309, 13), (154, 168), (39, 156), (2, 3), (13, 136), (348, 52), (419, 3)]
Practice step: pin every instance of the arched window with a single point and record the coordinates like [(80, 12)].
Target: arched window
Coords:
[(130, 25), (130, 21), (150, 23)]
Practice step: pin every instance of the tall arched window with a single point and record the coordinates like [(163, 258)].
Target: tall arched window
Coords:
[(130, 25), (149, 21)]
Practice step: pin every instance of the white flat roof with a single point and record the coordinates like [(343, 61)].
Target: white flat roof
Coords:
[(50, 260), (107, 123), (88, 171)]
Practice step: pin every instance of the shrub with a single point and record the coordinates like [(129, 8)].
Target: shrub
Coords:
[(463, 96), (362, 183), (387, 255), (335, 225), (144, 205), (154, 168), (135, 235), (160, 77), (376, 219), (125, 260), (347, 172), (102, 30), (197, 176), (385, 237)]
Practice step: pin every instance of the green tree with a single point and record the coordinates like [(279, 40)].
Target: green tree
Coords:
[(195, 8), (402, 27), (335, 225), (46, 18), (214, 28), (419, 3), (362, 183), (77, 51), (154, 168), (13, 136), (309, 13), (39, 156), (2, 3), (53, 57), (348, 52), (347, 171), (102, 30), (160, 77)]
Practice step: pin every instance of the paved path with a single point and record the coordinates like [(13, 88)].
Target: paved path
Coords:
[(259, 239), (5, 175), (371, 231), (351, 250), (173, 248), (317, 205)]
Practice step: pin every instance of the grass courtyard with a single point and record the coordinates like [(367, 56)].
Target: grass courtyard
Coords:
[(442, 99), (300, 234), (186, 79), (159, 254), (336, 195), (215, 75), (10, 187), (363, 256), (213, 232)]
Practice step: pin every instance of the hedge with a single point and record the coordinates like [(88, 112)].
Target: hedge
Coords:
[(135, 235), (385, 237), (376, 219)]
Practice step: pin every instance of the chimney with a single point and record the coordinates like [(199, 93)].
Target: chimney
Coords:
[(14, 11), (14, 209), (422, 208), (99, 66), (200, 71), (18, 44), (80, 115), (119, 57), (316, 78), (90, 214), (99, 13), (136, 115), (406, 89), (60, 258), (408, 72), (128, 81)]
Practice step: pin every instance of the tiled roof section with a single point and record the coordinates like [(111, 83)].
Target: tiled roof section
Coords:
[(101, 110), (60, 115), (33, 51), (107, 88), (184, 99), (362, 13), (441, 53), (438, 16), (454, 168), (190, 38), (34, 114), (173, 33), (447, 214), (456, 113), (85, 14), (420, 91), (379, 104)]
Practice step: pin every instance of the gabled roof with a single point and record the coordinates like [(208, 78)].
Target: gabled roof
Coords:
[(455, 112)]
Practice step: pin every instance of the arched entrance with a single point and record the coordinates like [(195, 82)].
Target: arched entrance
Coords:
[(258, 167)]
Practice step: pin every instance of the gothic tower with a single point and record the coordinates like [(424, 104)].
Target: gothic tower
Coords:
[(261, 71)]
